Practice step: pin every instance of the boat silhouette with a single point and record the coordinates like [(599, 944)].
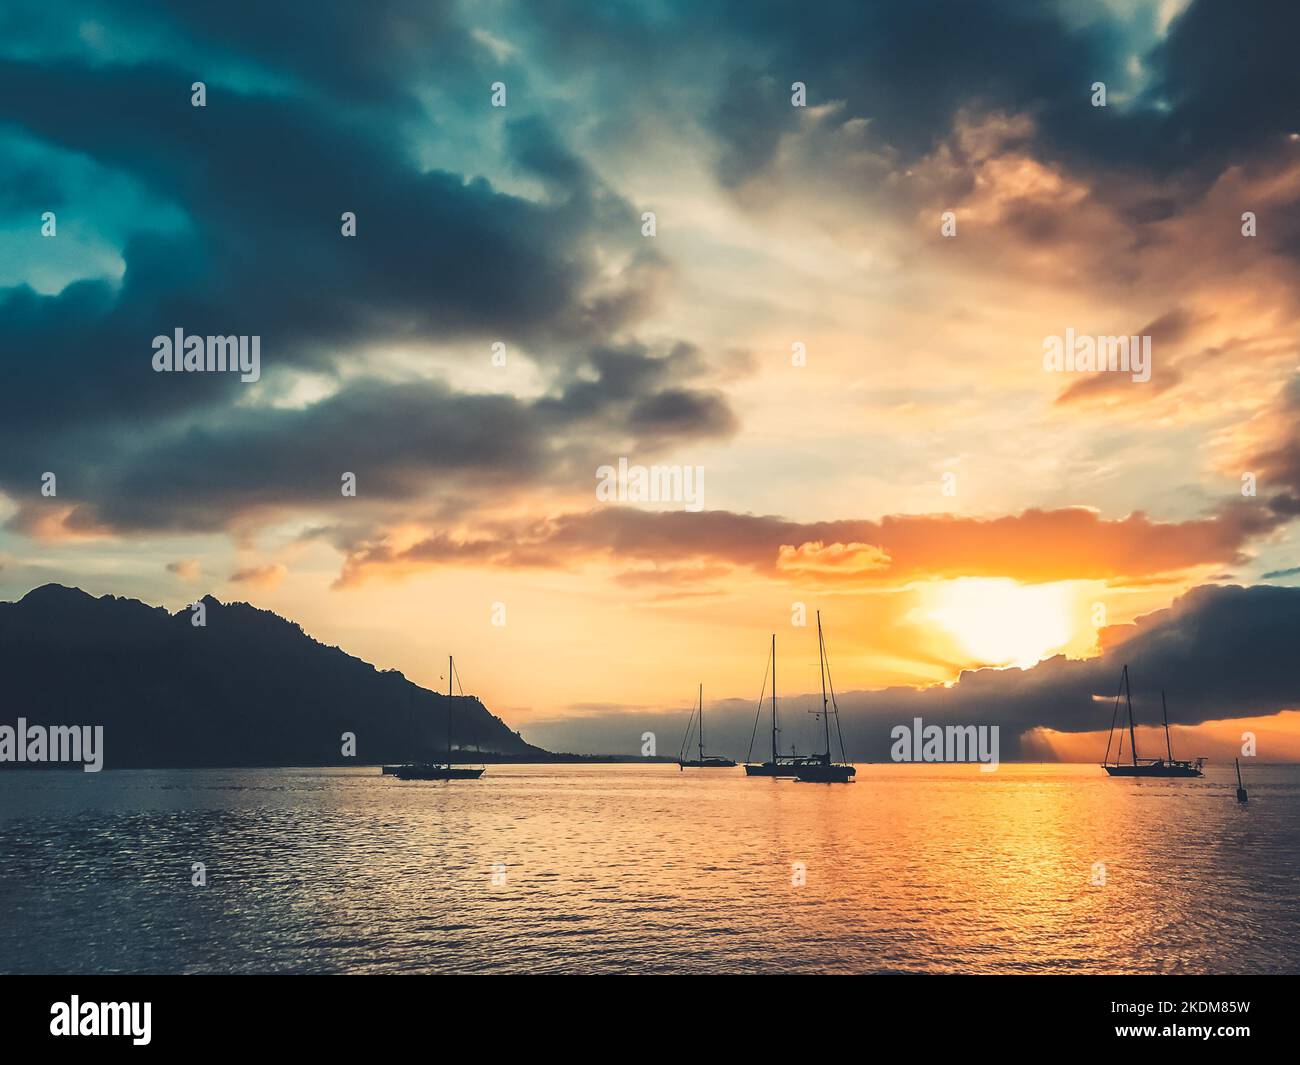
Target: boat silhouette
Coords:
[(779, 765), (1143, 767), (702, 762), (437, 770), (811, 768), (825, 771)]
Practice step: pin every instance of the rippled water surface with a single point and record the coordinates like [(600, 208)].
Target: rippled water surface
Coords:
[(648, 869)]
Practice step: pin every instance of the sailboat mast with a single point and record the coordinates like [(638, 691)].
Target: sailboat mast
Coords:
[(1114, 716), (821, 664), (450, 666), (701, 722), (1132, 736), (1164, 710), (774, 698)]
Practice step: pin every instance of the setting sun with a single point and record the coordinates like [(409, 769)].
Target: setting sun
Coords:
[(1000, 622)]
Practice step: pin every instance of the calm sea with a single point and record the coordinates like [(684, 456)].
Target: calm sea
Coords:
[(649, 869)]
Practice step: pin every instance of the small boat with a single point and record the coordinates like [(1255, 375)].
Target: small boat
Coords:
[(701, 762), (437, 770), (780, 765), (811, 768), (823, 770), (1241, 791), (433, 771), (1143, 767)]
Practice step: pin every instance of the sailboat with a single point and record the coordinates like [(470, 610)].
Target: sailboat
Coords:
[(437, 770), (701, 762), (780, 765), (824, 771), (1143, 767)]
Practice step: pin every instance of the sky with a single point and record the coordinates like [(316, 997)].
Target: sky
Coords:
[(811, 254)]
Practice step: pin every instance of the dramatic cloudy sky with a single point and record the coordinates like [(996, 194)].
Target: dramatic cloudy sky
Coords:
[(946, 502)]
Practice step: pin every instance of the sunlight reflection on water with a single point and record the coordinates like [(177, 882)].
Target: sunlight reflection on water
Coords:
[(648, 869)]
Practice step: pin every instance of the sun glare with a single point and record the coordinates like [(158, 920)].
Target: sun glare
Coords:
[(1000, 622)]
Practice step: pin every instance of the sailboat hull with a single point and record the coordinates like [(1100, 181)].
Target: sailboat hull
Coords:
[(780, 769), (707, 763), (432, 772), (827, 774), (1155, 769), (437, 770)]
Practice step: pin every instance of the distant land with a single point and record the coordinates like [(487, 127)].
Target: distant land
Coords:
[(249, 688)]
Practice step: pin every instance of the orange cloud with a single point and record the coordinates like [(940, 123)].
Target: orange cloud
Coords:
[(814, 557), (55, 522), (262, 577), (1071, 543)]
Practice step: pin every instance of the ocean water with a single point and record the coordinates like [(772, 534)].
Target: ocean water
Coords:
[(644, 868)]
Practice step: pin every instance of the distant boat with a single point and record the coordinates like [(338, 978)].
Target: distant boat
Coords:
[(1143, 767), (825, 771), (437, 770), (701, 762), (780, 765)]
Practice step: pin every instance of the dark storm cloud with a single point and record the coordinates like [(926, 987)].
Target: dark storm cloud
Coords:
[(1219, 87), (908, 68), (677, 412), (398, 438), (537, 150), (262, 181), (657, 409), (263, 177), (29, 190), (360, 53), (393, 437), (1229, 74), (1217, 652)]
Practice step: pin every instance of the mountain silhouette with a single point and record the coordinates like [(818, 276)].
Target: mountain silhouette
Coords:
[(247, 688)]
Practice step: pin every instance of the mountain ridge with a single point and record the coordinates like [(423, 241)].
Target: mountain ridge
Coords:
[(248, 687)]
